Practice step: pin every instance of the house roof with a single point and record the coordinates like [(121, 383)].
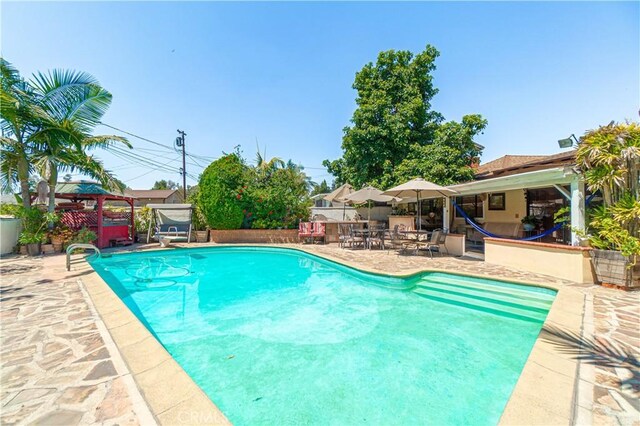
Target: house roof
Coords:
[(515, 164), (506, 161), (150, 193)]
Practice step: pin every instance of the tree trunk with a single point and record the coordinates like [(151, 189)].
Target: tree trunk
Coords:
[(23, 177), (53, 180)]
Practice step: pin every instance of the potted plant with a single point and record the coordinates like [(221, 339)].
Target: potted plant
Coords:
[(609, 159), (142, 222), (60, 236), (529, 223), (33, 234), (32, 240), (200, 226)]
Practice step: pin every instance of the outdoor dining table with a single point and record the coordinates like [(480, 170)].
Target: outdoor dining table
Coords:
[(413, 237), (415, 232)]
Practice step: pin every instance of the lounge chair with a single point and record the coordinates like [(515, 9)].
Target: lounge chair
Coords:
[(318, 230), (304, 231)]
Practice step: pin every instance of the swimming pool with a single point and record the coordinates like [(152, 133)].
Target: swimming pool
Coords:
[(278, 336)]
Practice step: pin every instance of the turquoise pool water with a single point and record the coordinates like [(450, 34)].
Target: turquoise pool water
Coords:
[(277, 336)]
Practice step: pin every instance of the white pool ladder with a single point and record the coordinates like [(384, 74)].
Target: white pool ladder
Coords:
[(79, 246)]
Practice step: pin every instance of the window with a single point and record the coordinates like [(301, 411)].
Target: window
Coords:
[(472, 206), (496, 201)]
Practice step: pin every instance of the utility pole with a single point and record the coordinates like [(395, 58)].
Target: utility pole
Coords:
[(183, 170)]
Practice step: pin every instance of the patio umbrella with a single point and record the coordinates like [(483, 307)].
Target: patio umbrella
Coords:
[(339, 195), (368, 194), (419, 187)]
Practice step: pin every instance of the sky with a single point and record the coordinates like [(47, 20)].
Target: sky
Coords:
[(279, 75)]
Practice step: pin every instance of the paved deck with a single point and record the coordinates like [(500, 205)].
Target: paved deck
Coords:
[(60, 365)]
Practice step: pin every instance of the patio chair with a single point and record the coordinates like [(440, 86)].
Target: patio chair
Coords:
[(304, 231), (376, 237), (442, 242), (355, 239), (397, 239), (318, 230), (344, 234), (434, 243)]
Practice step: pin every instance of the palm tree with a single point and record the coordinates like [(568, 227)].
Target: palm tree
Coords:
[(47, 125), (266, 168), (19, 118), (74, 103)]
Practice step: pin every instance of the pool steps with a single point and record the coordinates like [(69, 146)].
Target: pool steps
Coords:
[(494, 299)]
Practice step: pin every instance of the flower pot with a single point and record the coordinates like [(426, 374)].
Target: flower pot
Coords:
[(57, 248), (202, 236), (23, 250), (614, 269), (56, 241), (47, 248), (33, 249)]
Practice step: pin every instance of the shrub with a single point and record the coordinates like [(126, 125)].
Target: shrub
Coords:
[(609, 158), (84, 236), (220, 197), (142, 219)]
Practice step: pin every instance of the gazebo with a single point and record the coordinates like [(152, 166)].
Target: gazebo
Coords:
[(111, 227)]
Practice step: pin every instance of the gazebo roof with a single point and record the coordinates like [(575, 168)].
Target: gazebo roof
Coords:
[(82, 188), (85, 190)]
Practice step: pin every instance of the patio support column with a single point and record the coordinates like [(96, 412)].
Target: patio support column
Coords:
[(577, 209), (446, 208)]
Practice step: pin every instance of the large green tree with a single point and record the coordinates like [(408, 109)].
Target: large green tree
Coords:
[(394, 130)]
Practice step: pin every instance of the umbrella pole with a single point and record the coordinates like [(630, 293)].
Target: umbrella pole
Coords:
[(419, 211), (369, 211)]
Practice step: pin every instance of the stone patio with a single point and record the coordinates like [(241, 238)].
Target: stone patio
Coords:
[(60, 365)]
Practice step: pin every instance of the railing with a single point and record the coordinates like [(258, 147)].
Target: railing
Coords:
[(79, 246)]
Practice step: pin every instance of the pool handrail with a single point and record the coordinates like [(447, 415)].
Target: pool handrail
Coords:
[(79, 246)]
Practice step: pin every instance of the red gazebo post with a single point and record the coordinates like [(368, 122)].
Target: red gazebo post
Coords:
[(133, 221), (100, 236)]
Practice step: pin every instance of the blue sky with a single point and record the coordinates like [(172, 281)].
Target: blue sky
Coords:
[(281, 73)]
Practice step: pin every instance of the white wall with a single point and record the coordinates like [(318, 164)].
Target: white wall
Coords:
[(9, 232)]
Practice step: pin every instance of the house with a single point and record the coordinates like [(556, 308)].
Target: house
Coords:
[(513, 187), (143, 197), (319, 201)]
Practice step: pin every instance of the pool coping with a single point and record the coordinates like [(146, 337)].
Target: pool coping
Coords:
[(544, 393)]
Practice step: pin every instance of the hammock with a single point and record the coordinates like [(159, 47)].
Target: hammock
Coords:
[(491, 235)]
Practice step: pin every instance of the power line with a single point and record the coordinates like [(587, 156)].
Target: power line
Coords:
[(136, 136), (150, 171)]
